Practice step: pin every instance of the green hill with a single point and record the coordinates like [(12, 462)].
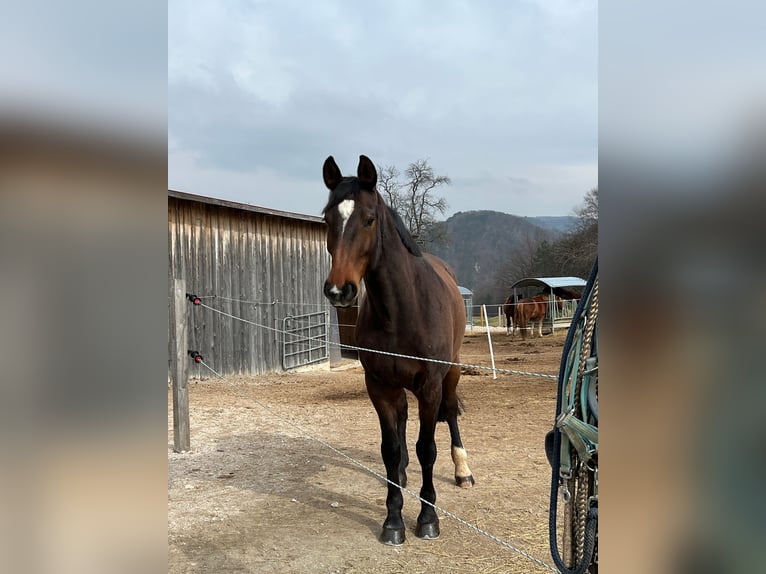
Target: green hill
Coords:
[(479, 243)]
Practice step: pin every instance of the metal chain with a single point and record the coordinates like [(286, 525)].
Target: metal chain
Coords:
[(355, 348), (379, 476)]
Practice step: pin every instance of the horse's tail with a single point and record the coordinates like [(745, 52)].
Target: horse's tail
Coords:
[(520, 317), (446, 410)]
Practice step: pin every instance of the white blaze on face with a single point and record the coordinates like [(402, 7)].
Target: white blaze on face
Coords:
[(345, 208)]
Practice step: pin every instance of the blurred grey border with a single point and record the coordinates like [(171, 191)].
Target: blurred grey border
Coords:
[(83, 297), (682, 102), (83, 183)]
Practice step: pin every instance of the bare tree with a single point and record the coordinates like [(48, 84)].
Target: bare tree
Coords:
[(390, 187), (579, 249), (421, 202), (415, 199), (588, 212), (524, 260)]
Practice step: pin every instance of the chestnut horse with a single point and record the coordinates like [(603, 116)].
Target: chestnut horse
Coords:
[(411, 306), (530, 310)]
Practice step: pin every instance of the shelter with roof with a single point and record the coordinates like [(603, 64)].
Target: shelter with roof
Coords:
[(468, 301), (568, 288)]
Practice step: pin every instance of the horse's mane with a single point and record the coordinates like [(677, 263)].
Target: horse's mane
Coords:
[(404, 233), (348, 188)]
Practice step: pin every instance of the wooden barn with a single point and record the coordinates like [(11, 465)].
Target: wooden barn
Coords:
[(263, 266)]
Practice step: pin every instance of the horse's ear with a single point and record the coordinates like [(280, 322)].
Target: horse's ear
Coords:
[(331, 173), (366, 173)]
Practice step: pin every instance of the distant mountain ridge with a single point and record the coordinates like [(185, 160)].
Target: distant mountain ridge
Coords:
[(559, 223), (480, 242)]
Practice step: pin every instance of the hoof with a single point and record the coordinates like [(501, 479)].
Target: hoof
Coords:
[(428, 531), (392, 536), (465, 481)]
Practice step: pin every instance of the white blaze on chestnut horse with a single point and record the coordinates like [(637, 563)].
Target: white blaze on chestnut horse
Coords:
[(411, 306)]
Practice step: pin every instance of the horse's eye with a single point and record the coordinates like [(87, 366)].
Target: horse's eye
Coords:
[(370, 221)]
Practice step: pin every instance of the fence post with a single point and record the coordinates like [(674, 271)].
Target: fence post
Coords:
[(180, 368), (489, 338)]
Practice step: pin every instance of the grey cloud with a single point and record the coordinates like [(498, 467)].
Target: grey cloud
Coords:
[(476, 90)]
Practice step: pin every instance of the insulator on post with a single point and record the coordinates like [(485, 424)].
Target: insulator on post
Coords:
[(196, 356), (193, 298)]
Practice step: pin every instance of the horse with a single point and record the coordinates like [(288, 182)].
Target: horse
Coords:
[(412, 307), (533, 309), (567, 293), (570, 295), (508, 309)]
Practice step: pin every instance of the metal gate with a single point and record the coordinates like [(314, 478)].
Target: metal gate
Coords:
[(305, 339)]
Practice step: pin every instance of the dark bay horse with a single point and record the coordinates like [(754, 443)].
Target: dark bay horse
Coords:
[(567, 293), (508, 309), (531, 310), (411, 306)]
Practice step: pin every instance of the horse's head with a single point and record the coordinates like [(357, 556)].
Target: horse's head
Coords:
[(351, 215)]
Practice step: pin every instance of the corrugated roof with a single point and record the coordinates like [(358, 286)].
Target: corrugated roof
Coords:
[(244, 206), (464, 291), (552, 282)]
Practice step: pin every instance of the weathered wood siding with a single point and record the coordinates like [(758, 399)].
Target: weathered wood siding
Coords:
[(261, 265)]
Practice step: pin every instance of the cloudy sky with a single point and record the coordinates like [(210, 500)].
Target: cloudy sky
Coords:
[(500, 96)]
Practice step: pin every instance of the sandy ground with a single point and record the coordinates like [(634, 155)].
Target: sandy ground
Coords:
[(256, 494)]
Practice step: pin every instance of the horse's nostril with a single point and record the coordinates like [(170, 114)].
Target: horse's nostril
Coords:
[(329, 291), (340, 296)]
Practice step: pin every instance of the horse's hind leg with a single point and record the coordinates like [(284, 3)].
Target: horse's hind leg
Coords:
[(449, 412), (520, 322)]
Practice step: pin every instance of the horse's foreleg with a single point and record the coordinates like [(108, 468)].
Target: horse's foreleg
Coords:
[(404, 460), (428, 521), (391, 452)]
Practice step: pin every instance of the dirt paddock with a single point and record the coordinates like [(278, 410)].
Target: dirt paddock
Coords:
[(255, 494)]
